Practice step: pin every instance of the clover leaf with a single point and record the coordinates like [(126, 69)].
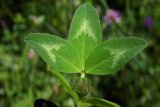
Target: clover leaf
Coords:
[(84, 50)]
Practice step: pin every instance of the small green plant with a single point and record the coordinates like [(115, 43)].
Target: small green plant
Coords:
[(84, 52)]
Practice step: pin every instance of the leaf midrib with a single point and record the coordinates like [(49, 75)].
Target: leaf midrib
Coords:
[(84, 41)]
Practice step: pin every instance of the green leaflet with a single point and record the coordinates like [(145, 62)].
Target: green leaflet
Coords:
[(55, 51), (113, 54), (85, 31), (98, 102)]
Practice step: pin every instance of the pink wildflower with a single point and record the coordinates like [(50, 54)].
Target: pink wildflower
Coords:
[(112, 16)]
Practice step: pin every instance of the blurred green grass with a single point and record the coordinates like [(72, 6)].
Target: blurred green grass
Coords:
[(25, 77)]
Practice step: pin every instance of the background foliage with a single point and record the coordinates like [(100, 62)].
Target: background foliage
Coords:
[(25, 77)]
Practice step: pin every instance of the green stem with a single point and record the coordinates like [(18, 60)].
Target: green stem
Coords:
[(23, 58), (104, 4), (67, 86)]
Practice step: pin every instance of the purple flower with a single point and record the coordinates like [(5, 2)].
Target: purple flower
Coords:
[(148, 22), (112, 16)]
